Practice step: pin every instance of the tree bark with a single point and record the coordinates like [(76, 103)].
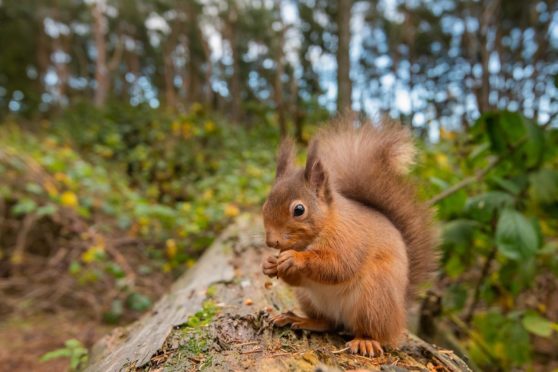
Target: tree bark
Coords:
[(231, 34), (487, 20), (297, 114), (278, 84), (343, 56), (168, 73), (216, 317), (101, 68)]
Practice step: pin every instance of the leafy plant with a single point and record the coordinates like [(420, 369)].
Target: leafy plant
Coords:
[(496, 230), (73, 350)]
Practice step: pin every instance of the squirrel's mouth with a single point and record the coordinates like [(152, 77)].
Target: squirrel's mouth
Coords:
[(294, 247)]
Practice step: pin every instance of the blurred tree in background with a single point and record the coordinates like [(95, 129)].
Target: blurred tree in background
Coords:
[(131, 132)]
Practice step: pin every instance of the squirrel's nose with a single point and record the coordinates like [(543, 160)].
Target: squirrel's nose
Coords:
[(272, 243), (271, 240)]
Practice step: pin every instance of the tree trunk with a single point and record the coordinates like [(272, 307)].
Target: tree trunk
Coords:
[(278, 85), (208, 96), (216, 317), (234, 92), (168, 72), (43, 55), (101, 69), (297, 115), (343, 57), (488, 18)]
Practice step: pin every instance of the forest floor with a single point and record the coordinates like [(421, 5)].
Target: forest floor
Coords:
[(35, 319), (23, 340)]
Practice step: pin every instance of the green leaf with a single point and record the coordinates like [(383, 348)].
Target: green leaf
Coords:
[(485, 205), (115, 270), (537, 325), (505, 129), (138, 302), (458, 232), (454, 267), (455, 297), (47, 210), (452, 205), (516, 237), (508, 185), (33, 188), (115, 313), (516, 342), (534, 147), (24, 206), (55, 354), (544, 186)]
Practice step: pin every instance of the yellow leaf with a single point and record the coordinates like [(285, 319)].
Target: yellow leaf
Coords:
[(171, 248), (190, 263), (209, 126), (175, 127), (167, 267), (442, 160), (207, 195), (51, 189), (197, 108), (447, 134), (17, 259), (69, 199), (186, 130), (231, 210), (92, 253)]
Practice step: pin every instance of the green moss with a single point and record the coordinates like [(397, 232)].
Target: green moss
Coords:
[(202, 317), (196, 344), (211, 291)]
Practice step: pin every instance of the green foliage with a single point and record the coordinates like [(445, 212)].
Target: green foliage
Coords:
[(498, 241), (538, 325), (516, 237), (504, 338), (74, 350), (138, 302), (171, 181), (202, 317)]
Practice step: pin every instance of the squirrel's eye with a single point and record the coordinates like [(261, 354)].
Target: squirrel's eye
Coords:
[(298, 210)]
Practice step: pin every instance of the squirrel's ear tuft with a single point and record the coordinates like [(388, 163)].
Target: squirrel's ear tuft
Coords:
[(311, 158), (315, 173), (285, 159)]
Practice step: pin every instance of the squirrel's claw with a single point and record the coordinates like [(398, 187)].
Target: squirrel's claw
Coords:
[(287, 263), (269, 266), (298, 322), (365, 347), (283, 319)]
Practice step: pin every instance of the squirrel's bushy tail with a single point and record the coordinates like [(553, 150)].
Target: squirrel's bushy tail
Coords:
[(369, 164)]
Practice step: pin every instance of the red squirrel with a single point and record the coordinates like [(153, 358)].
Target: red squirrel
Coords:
[(353, 238)]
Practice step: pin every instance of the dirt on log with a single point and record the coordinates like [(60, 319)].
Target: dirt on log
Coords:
[(216, 317)]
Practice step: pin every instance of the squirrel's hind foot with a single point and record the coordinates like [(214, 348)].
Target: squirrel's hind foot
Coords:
[(365, 346), (297, 322)]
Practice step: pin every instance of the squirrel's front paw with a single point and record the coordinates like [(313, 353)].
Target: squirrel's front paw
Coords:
[(289, 263), (269, 266)]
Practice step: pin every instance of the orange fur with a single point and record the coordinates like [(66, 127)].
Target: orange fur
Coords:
[(364, 241)]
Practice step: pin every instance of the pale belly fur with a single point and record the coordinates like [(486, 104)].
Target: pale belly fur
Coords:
[(336, 302)]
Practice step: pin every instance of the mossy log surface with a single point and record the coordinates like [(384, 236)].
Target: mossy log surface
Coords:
[(216, 317)]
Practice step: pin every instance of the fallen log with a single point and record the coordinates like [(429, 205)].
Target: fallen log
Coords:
[(216, 317)]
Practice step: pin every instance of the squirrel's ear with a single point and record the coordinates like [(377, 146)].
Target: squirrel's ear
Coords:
[(315, 174), (285, 159)]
